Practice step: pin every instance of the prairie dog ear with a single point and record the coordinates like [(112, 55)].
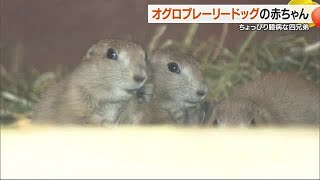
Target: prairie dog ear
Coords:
[(151, 58), (148, 58), (90, 53)]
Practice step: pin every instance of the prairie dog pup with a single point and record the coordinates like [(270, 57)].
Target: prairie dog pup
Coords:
[(97, 90), (279, 98), (178, 88)]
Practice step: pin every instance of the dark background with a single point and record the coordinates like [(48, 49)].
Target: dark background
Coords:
[(54, 32)]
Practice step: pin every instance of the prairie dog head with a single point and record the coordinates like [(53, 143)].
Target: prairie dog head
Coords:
[(177, 77), (237, 112), (117, 67)]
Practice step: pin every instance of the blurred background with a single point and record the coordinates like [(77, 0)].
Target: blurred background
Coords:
[(41, 40)]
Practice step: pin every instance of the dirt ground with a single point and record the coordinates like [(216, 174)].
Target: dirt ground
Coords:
[(159, 152)]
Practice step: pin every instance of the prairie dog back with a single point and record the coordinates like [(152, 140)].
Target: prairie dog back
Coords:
[(278, 98)]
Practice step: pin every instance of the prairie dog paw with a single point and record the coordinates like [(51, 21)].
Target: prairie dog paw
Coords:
[(144, 94)]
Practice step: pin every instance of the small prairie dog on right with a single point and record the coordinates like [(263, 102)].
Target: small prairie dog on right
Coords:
[(271, 99)]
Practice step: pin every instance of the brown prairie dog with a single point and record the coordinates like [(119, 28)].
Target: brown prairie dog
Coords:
[(97, 90), (279, 98), (178, 88)]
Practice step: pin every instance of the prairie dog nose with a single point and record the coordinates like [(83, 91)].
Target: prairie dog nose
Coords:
[(139, 78), (140, 74), (201, 93)]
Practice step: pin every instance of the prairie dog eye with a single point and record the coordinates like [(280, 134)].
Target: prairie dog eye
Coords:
[(112, 54), (174, 67)]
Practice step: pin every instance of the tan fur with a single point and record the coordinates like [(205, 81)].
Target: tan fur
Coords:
[(98, 89), (174, 99), (278, 98)]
